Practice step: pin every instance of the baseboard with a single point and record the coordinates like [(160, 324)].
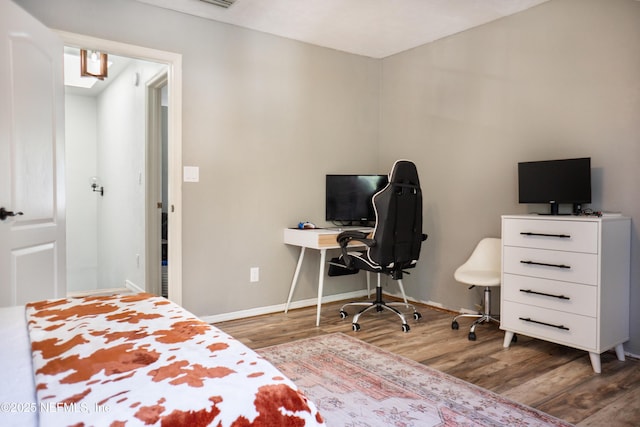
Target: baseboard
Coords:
[(280, 307), (306, 303), (133, 287)]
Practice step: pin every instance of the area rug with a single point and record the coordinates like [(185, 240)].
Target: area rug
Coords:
[(357, 384)]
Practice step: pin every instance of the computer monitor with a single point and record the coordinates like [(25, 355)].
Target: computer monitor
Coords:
[(555, 182), (348, 198)]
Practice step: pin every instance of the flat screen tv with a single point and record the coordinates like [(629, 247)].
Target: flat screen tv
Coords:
[(555, 182), (348, 198)]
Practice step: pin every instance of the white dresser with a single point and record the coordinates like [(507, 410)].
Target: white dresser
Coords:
[(565, 279)]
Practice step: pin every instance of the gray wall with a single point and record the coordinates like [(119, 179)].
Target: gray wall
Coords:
[(557, 81), (266, 118)]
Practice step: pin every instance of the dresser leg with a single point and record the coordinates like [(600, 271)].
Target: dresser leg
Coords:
[(508, 336), (595, 362), (620, 352)]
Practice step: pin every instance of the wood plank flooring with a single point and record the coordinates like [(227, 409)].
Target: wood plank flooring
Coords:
[(552, 378)]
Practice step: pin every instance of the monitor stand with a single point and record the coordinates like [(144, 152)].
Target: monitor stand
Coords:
[(554, 209)]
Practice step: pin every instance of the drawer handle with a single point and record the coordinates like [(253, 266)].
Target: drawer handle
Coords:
[(529, 291), (560, 236), (528, 319), (545, 264)]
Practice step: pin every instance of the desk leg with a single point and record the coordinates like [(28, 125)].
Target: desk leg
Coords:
[(294, 282), (323, 257)]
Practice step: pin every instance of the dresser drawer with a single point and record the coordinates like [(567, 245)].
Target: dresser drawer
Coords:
[(562, 296), (563, 328), (555, 265), (576, 236)]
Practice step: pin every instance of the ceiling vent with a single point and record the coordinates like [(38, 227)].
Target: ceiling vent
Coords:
[(221, 3)]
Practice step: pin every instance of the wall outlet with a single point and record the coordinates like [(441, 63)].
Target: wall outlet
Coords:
[(254, 274)]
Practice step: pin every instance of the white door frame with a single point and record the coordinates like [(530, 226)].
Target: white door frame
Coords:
[(174, 84), (153, 198)]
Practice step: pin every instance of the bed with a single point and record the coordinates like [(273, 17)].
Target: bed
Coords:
[(135, 360)]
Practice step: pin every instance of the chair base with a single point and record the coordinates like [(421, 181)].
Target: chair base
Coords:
[(379, 305), (484, 317), (481, 318)]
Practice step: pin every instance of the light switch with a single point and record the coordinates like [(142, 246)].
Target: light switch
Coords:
[(191, 174)]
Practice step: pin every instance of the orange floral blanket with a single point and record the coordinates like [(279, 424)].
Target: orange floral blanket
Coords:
[(141, 360)]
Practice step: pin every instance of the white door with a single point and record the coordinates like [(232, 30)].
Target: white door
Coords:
[(32, 245)]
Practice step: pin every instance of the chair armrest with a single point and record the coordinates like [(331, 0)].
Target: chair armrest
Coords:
[(346, 237)]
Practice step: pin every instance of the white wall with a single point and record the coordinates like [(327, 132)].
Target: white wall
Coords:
[(82, 221), (106, 138), (121, 167)]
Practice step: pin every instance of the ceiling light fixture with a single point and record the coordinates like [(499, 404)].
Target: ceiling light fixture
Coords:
[(221, 3), (93, 66)]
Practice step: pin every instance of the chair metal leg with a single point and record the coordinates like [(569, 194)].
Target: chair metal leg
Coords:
[(484, 317), (380, 305), (404, 297)]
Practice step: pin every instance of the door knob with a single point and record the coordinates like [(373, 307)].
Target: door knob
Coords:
[(5, 213)]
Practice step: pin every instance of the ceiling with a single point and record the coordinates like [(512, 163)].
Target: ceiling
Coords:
[(373, 28)]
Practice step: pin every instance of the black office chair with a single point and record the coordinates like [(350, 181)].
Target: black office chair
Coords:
[(394, 245)]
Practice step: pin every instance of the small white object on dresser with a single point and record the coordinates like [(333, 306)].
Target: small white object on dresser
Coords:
[(565, 279)]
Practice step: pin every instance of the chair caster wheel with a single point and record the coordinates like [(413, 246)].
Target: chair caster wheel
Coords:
[(405, 328), (472, 336), (355, 327), (454, 325), (417, 316), (343, 314)]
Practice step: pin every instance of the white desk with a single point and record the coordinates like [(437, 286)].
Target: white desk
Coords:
[(316, 238)]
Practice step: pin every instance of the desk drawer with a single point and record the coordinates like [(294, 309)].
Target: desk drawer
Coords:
[(555, 265), (576, 236), (551, 325), (563, 296), (331, 241), (327, 240)]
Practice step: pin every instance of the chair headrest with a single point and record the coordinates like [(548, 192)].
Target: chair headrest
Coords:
[(404, 172)]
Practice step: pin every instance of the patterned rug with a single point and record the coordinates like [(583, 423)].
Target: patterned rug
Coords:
[(356, 384)]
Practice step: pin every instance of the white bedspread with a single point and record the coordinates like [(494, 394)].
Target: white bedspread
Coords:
[(17, 393), (138, 360)]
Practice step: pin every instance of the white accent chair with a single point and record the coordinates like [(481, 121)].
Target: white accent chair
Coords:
[(481, 269)]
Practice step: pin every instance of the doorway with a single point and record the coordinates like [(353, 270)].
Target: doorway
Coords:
[(157, 206), (127, 239)]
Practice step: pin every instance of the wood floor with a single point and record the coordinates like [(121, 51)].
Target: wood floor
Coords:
[(552, 378)]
